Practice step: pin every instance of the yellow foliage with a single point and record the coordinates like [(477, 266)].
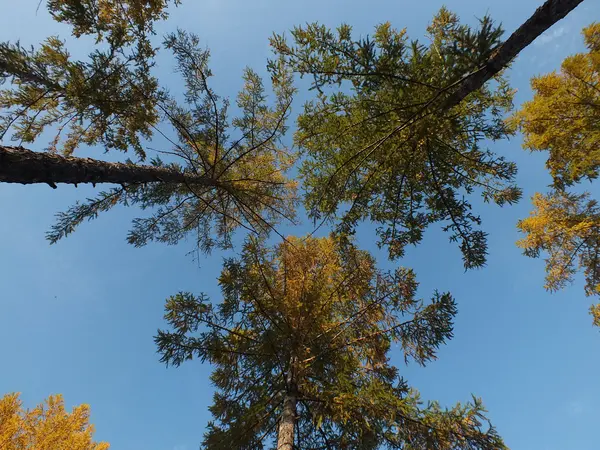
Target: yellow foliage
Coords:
[(46, 427), (563, 118), (309, 275), (564, 114), (121, 20), (595, 312), (567, 228)]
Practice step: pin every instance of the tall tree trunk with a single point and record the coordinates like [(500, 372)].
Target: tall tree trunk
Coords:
[(19, 165), (285, 433), (543, 18), (287, 424)]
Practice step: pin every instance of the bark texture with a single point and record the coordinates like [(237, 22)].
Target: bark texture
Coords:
[(287, 423), (543, 18), (20, 165), (285, 434)]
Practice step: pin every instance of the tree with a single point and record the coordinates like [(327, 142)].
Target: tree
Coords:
[(110, 99), (394, 133), (562, 119), (47, 427), (214, 183), (301, 345), (120, 103), (301, 342)]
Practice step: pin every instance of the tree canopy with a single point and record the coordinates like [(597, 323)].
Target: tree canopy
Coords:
[(395, 134), (379, 144), (563, 119), (229, 182), (314, 320), (46, 427)]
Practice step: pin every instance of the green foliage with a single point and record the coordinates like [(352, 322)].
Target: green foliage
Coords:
[(109, 99), (246, 187), (319, 312), (118, 22), (379, 144)]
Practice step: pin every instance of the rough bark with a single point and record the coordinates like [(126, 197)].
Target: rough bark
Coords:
[(285, 434), (287, 423), (19, 165), (544, 17)]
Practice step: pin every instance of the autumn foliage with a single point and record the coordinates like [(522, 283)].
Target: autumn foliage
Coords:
[(563, 119), (48, 426), (311, 324)]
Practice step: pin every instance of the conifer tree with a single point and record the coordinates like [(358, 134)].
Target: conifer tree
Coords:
[(395, 132), (301, 347), (302, 340), (214, 183), (402, 90), (219, 174), (46, 427), (563, 118)]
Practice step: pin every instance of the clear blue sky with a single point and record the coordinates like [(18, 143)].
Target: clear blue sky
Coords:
[(78, 317)]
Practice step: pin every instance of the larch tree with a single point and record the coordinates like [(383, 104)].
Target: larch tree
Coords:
[(563, 119), (46, 427), (395, 132), (112, 100), (302, 340), (221, 173), (225, 176), (301, 347)]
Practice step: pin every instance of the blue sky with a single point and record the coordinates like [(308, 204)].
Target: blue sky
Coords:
[(78, 317)]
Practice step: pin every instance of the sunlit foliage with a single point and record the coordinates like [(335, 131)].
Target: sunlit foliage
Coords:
[(567, 228), (46, 427), (314, 319), (380, 145), (240, 164), (563, 118), (564, 115)]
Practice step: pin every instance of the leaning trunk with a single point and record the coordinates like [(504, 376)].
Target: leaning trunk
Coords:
[(19, 165), (544, 17)]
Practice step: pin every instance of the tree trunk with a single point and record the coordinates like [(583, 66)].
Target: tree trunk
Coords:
[(19, 165), (285, 432), (543, 18)]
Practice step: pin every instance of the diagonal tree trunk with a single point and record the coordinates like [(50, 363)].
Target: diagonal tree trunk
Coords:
[(543, 18), (19, 165)]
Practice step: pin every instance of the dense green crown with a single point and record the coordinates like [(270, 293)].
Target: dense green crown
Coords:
[(322, 310), (379, 143)]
